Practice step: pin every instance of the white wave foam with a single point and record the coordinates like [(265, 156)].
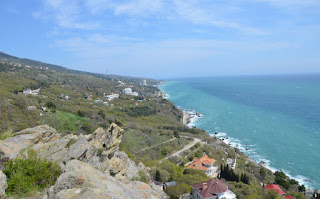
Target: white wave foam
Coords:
[(236, 143)]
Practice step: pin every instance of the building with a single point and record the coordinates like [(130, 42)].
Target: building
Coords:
[(112, 96), (158, 184), (135, 93), (204, 164), (170, 184), (144, 82), (274, 187), (27, 91), (231, 163), (127, 91), (212, 189), (289, 197)]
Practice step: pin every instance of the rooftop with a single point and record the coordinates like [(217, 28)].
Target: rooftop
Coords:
[(197, 163), (210, 188), (274, 187)]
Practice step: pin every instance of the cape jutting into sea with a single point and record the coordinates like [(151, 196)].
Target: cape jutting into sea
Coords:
[(274, 119)]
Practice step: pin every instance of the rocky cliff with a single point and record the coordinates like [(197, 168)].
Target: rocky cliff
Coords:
[(93, 165)]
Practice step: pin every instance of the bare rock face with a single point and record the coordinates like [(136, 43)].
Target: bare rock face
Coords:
[(81, 180), (3, 185), (93, 165), (10, 147), (121, 167)]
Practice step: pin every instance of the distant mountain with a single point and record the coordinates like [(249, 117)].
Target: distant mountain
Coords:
[(30, 62)]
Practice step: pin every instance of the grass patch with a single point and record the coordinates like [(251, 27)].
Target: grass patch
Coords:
[(6, 135), (71, 142), (66, 123)]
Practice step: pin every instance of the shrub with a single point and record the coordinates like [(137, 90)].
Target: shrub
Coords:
[(71, 142), (51, 105), (165, 150), (26, 176), (100, 152)]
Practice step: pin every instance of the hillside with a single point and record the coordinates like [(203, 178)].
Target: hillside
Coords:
[(77, 104), (32, 63)]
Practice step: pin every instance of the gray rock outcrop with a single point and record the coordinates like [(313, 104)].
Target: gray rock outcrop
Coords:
[(3, 184), (82, 180), (93, 165), (10, 147)]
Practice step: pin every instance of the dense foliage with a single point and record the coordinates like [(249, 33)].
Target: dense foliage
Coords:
[(26, 176)]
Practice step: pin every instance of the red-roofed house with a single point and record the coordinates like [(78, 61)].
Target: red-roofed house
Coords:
[(212, 189), (204, 164), (288, 196), (274, 187)]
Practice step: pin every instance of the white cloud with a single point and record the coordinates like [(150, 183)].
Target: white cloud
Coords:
[(135, 7), (190, 11), (65, 15), (291, 3)]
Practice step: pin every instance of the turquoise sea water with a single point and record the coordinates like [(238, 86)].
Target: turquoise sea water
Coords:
[(277, 117)]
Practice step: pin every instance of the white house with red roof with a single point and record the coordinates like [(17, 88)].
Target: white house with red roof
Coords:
[(212, 189), (204, 164)]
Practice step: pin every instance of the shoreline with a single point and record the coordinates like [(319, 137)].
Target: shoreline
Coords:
[(222, 137), (189, 119)]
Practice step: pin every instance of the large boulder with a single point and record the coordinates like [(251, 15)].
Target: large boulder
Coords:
[(10, 147), (122, 167), (3, 184), (81, 180)]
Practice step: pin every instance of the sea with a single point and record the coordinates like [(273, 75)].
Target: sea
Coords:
[(274, 119)]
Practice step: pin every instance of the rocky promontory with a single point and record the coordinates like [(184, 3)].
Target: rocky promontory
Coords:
[(93, 166)]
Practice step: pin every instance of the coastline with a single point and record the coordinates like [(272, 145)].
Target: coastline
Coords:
[(189, 121)]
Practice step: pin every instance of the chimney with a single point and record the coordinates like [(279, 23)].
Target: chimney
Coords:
[(204, 186)]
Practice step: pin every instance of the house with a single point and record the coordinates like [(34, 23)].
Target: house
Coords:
[(112, 96), (204, 164), (170, 184), (27, 91), (105, 104), (135, 93), (231, 163), (158, 184), (67, 97), (212, 189), (275, 188), (144, 82), (127, 91), (289, 197)]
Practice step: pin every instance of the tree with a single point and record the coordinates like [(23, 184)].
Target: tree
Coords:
[(263, 173), (158, 176), (165, 150), (176, 134), (50, 104), (102, 114), (183, 188), (302, 188), (81, 113)]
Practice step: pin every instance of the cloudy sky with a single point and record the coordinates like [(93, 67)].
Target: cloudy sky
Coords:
[(166, 38)]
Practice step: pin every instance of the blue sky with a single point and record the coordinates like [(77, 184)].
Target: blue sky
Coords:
[(162, 38)]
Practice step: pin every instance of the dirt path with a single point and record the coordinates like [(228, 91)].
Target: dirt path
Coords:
[(188, 146), (156, 145)]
